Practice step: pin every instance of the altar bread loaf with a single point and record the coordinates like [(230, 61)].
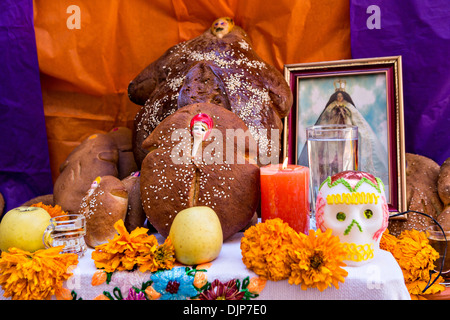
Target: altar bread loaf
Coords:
[(95, 156), (444, 194), (104, 204), (218, 67), (123, 137), (221, 176), (422, 175), (135, 213)]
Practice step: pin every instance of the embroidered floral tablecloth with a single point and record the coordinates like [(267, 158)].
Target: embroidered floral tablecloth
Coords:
[(381, 279)]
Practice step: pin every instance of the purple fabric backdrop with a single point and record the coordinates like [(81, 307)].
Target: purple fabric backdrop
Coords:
[(24, 159), (419, 31)]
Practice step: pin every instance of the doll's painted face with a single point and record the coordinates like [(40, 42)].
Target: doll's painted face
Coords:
[(353, 205), (199, 130), (222, 26), (201, 126)]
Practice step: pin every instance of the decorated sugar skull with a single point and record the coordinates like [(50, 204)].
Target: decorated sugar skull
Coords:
[(353, 205), (200, 126)]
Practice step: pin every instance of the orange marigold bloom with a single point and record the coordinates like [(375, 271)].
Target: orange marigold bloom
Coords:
[(35, 276), (388, 241), (317, 260), (158, 257), (265, 249), (53, 211), (128, 250), (415, 257)]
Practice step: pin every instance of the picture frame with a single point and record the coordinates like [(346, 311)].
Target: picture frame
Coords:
[(374, 88)]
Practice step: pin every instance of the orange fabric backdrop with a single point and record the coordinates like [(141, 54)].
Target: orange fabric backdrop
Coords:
[(85, 72)]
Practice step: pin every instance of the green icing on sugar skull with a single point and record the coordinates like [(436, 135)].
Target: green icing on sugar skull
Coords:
[(353, 205)]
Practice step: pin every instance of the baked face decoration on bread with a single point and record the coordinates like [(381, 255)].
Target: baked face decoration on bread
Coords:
[(96, 156), (218, 67), (221, 174), (353, 205), (222, 26)]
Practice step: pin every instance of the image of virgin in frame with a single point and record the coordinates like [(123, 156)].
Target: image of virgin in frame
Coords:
[(362, 92)]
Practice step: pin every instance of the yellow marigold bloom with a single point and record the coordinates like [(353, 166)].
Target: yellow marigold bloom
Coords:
[(265, 249), (128, 250), (35, 276), (317, 259)]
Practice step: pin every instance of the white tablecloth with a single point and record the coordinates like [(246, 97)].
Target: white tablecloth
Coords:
[(381, 279)]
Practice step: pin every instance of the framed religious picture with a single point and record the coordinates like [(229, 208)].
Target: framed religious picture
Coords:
[(362, 92)]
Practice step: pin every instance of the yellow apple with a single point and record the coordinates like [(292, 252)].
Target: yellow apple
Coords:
[(23, 228), (196, 234)]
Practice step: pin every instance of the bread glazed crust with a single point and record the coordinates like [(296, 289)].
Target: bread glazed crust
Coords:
[(223, 71)]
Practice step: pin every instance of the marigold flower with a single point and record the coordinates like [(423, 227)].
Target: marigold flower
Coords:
[(317, 259), (53, 211), (415, 257), (136, 249), (35, 276), (158, 257), (388, 241), (265, 249)]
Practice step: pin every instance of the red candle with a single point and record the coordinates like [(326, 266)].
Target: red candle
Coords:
[(284, 195)]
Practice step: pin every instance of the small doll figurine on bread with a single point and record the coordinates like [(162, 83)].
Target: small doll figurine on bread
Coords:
[(353, 205), (201, 126)]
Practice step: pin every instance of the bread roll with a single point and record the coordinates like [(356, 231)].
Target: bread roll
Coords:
[(2, 205), (104, 204), (219, 69), (95, 156), (126, 164), (421, 194), (224, 179), (46, 199), (135, 213), (444, 194)]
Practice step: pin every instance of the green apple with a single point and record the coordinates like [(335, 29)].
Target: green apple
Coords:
[(23, 228), (196, 234)]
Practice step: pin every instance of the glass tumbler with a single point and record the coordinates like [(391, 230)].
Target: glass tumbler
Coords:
[(332, 148)]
